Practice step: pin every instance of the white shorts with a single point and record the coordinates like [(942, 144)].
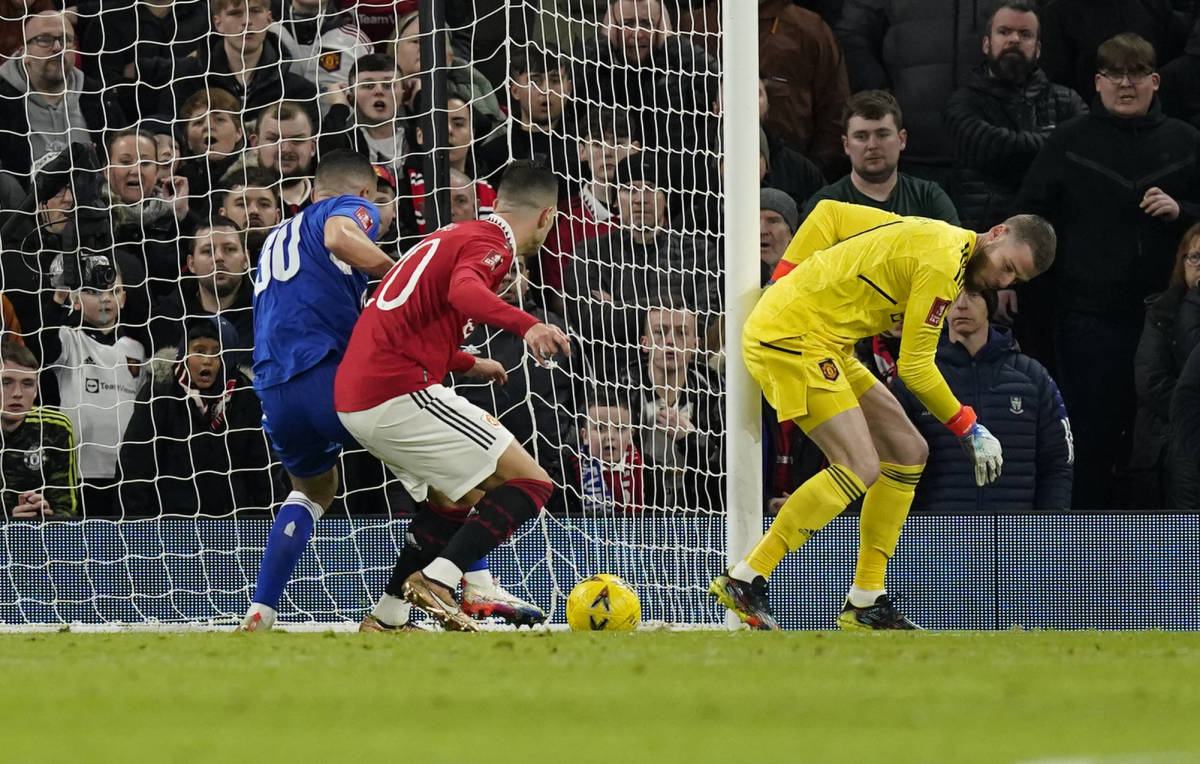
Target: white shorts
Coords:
[(433, 437)]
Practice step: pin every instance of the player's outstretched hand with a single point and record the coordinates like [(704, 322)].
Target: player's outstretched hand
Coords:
[(486, 368), (544, 340), (984, 450)]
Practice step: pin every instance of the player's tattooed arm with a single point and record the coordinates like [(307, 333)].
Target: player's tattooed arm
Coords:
[(347, 241)]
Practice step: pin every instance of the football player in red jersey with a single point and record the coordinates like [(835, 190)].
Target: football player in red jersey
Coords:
[(389, 395)]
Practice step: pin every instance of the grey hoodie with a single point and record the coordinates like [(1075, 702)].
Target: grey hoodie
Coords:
[(51, 127)]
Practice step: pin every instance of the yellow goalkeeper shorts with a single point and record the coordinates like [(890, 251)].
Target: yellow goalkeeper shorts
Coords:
[(807, 380)]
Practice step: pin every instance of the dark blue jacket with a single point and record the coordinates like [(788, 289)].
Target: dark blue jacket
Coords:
[(1016, 399)]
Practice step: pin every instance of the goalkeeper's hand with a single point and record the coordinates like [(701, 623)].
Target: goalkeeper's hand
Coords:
[(984, 451)]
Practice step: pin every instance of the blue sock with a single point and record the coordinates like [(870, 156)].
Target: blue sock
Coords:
[(289, 537), (480, 564)]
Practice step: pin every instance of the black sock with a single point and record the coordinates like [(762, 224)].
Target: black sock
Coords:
[(427, 536), (497, 515)]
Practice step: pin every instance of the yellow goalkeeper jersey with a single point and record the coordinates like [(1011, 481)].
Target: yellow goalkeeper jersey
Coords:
[(852, 272)]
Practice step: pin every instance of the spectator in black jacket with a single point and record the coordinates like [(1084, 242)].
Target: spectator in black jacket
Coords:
[(1000, 118), (195, 444), (1072, 30), (635, 62), (1120, 185), (986, 370), (218, 285), (677, 408), (245, 60), (121, 33), (921, 50), (1180, 90), (368, 117), (1172, 331), (1183, 438), (609, 280), (536, 404), (45, 102)]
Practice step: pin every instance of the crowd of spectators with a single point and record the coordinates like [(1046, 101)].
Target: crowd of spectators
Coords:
[(203, 121)]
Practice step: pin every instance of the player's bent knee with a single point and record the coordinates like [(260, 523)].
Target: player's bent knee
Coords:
[(866, 471), (320, 489)]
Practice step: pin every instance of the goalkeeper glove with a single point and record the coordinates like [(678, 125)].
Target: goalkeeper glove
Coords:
[(980, 445)]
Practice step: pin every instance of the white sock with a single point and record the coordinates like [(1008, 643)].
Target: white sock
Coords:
[(743, 572), (268, 614), (862, 597), (392, 610), (444, 572), (478, 577)]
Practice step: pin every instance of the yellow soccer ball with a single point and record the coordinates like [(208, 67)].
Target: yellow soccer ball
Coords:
[(603, 603)]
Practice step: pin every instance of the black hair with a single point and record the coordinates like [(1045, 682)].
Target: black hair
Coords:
[(529, 184), (345, 169)]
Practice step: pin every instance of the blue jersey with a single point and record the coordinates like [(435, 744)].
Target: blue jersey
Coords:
[(306, 300)]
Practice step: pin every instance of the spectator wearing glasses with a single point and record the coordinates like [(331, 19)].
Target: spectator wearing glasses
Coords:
[(45, 102), (1120, 185), (1171, 333)]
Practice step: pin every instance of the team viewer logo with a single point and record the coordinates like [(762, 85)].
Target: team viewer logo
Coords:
[(937, 312), (829, 369), (363, 216)]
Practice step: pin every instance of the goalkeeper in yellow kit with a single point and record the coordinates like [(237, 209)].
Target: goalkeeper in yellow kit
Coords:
[(852, 272)]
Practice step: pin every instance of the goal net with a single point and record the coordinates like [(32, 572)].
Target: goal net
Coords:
[(165, 140)]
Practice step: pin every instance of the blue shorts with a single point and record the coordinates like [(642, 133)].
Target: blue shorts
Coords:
[(302, 424)]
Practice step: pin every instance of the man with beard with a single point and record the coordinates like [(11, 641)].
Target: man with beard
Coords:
[(218, 286), (851, 272), (286, 146), (1000, 118), (249, 197), (873, 137)]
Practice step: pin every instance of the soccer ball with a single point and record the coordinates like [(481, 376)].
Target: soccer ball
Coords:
[(603, 603)]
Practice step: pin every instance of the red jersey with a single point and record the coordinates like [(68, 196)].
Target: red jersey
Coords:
[(409, 334)]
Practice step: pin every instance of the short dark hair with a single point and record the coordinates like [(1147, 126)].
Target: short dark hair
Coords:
[(205, 100), (1039, 235), (537, 59), (1126, 52), (872, 104), (248, 177), (529, 184), (606, 122), (282, 110), (1020, 6), (371, 62), (214, 221), (342, 169), (18, 355)]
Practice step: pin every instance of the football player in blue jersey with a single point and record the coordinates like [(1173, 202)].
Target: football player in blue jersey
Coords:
[(312, 275)]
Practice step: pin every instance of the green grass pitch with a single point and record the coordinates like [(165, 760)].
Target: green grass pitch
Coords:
[(954, 698)]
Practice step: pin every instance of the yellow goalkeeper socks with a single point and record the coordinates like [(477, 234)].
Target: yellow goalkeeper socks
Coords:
[(883, 514), (809, 509)]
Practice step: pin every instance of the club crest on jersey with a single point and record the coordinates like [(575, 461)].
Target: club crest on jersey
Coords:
[(363, 216), (33, 459), (493, 259), (829, 369), (937, 312), (330, 61), (1015, 405), (493, 421)]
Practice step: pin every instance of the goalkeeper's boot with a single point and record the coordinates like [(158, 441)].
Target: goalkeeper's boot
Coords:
[(258, 618), (438, 601), (748, 601), (483, 600), (882, 615), (371, 623)]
